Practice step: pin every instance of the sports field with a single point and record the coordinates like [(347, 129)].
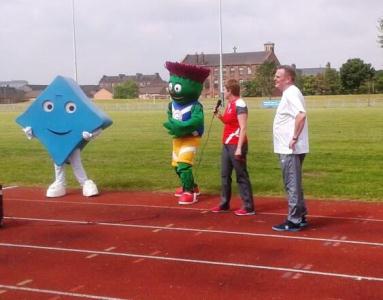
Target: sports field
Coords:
[(135, 242), (346, 144)]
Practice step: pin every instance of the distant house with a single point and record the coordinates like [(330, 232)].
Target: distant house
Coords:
[(150, 86), (90, 90), (10, 95), (32, 91), (154, 92), (310, 71), (103, 94), (240, 66), (12, 91), (17, 84)]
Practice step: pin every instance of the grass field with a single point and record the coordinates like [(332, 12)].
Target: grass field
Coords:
[(346, 145)]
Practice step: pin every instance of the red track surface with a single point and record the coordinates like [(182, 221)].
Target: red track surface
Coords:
[(145, 246)]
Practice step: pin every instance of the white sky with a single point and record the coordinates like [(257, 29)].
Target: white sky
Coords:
[(128, 36)]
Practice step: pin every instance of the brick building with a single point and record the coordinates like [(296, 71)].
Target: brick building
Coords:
[(240, 66), (150, 86)]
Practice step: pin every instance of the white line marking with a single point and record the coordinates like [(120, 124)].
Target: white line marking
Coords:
[(196, 261), (308, 267), (24, 282), (288, 237), (110, 249), (138, 260), (155, 252), (43, 291), (287, 275), (10, 187), (2, 292), (183, 208), (297, 276), (91, 256)]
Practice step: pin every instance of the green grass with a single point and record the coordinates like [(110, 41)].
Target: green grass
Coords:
[(346, 153)]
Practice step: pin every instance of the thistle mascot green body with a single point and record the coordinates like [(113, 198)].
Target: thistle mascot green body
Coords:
[(185, 123)]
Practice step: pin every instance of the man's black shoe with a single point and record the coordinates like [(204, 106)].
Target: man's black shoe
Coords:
[(304, 222), (287, 226)]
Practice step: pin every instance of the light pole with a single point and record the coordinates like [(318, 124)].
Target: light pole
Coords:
[(74, 42), (220, 55)]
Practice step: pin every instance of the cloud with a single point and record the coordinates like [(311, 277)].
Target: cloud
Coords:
[(126, 36)]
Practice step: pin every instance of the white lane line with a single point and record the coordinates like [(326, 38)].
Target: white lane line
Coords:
[(138, 260), (94, 254), (186, 208), (160, 229), (3, 291), (10, 187), (44, 291), (196, 261), (25, 282), (153, 228), (308, 267), (297, 276)]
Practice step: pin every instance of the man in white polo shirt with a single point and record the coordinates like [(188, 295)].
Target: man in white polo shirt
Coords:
[(291, 143)]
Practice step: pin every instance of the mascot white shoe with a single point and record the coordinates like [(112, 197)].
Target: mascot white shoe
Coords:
[(56, 190), (89, 189)]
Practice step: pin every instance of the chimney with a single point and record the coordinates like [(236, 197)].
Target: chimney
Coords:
[(196, 55), (269, 47), (203, 58)]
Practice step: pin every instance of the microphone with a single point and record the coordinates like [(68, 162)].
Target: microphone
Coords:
[(219, 102)]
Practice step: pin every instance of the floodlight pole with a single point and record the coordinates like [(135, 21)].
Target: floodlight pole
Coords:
[(74, 42), (220, 55)]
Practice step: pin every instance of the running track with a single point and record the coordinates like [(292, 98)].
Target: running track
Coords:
[(140, 245)]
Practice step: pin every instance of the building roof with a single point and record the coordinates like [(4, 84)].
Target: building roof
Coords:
[(311, 71), (153, 90), (137, 78), (235, 58)]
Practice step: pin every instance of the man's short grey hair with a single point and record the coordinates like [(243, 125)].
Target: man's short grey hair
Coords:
[(289, 70)]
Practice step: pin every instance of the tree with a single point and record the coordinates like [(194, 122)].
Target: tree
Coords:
[(331, 81), (380, 28), (354, 73), (264, 78), (308, 84), (250, 88), (126, 90), (378, 80)]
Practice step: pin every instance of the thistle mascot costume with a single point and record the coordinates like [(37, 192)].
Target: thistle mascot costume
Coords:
[(185, 123)]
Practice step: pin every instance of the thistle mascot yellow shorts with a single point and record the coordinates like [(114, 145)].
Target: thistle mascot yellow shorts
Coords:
[(185, 149)]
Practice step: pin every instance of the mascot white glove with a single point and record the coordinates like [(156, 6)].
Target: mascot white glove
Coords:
[(28, 132), (90, 136)]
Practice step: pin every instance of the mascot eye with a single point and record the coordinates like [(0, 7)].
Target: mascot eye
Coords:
[(70, 107), (48, 106), (170, 86), (178, 88)]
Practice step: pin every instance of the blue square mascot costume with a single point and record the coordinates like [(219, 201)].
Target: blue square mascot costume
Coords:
[(63, 119), (185, 123)]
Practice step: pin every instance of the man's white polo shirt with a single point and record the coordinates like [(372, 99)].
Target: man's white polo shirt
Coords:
[(292, 103)]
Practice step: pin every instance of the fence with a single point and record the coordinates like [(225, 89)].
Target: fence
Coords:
[(253, 103)]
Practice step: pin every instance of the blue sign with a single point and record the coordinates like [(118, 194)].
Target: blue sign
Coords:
[(271, 103)]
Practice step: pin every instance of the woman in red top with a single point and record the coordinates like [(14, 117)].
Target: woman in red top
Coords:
[(234, 151)]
